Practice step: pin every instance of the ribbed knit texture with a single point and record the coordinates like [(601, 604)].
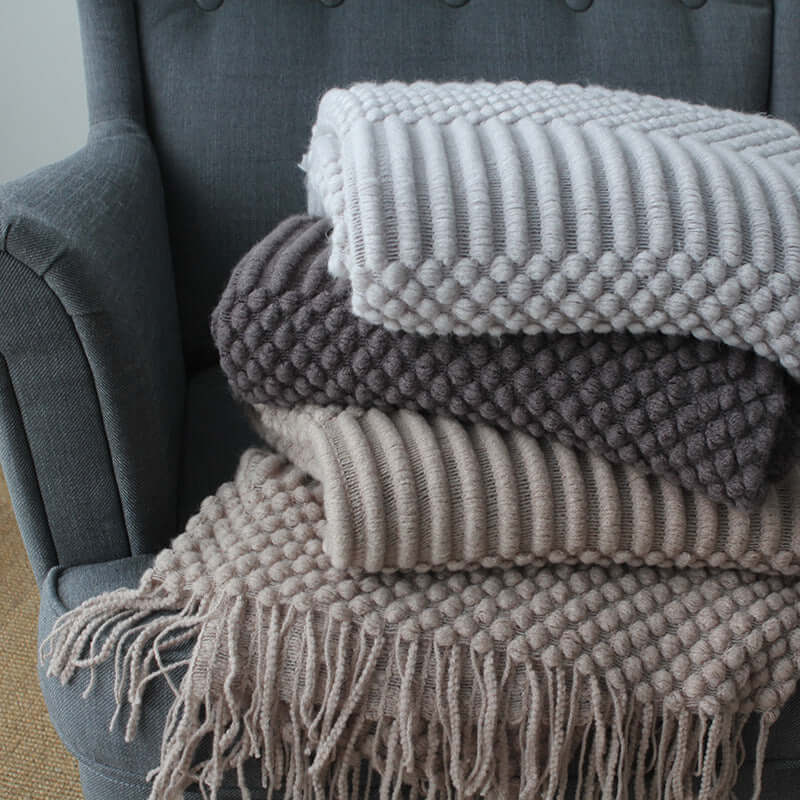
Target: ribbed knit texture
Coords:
[(703, 415), (487, 682), (406, 491), (482, 208)]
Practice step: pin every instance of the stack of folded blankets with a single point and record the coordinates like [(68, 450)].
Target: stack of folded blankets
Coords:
[(528, 523)]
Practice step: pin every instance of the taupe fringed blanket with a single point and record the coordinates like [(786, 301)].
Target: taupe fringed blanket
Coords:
[(488, 682), (703, 415)]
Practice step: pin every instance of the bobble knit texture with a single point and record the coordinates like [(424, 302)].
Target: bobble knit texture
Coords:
[(406, 491), (484, 682), (703, 415), (493, 208)]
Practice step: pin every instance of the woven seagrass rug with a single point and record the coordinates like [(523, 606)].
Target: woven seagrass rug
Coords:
[(34, 765)]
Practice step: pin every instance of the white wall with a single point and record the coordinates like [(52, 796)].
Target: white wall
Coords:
[(42, 92)]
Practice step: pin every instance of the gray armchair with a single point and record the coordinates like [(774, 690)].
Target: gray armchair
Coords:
[(114, 419)]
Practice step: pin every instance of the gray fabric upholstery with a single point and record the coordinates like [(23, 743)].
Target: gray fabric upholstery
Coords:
[(216, 432), (784, 98), (198, 121), (97, 381), (109, 36)]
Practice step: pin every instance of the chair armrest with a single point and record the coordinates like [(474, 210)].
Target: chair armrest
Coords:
[(91, 370)]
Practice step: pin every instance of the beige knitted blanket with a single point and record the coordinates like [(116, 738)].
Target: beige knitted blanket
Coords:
[(494, 682), (403, 490)]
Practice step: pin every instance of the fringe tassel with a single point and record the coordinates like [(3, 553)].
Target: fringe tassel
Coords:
[(448, 720)]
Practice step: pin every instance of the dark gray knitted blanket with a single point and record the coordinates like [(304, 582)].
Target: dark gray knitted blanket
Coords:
[(702, 414)]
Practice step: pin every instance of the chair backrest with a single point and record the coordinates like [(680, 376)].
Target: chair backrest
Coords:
[(228, 88)]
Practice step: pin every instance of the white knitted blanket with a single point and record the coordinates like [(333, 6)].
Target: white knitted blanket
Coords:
[(474, 208)]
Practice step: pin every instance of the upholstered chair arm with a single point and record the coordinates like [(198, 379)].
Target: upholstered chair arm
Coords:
[(91, 368)]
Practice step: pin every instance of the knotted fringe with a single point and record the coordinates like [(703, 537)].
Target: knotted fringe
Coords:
[(291, 687)]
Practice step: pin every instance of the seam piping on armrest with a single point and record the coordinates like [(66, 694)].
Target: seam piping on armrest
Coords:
[(29, 454), (88, 364)]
